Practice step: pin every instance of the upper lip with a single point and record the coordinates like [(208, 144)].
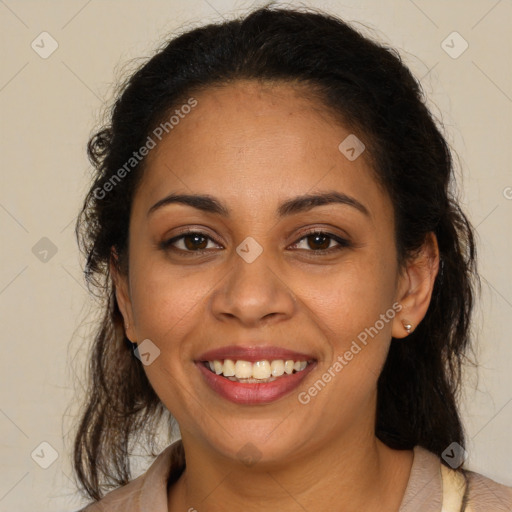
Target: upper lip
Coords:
[(253, 354)]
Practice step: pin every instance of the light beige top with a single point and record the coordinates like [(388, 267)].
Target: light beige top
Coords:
[(424, 492)]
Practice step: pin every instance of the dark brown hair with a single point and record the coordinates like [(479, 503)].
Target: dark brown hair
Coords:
[(366, 85)]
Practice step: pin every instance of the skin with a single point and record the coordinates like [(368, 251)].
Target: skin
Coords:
[(253, 146)]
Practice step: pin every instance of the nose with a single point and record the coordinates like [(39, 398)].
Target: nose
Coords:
[(253, 293)]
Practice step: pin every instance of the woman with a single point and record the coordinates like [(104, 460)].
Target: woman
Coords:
[(288, 277)]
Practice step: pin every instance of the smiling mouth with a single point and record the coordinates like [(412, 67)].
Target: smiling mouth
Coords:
[(257, 372)]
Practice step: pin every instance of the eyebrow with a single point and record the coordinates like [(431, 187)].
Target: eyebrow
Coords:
[(299, 204)]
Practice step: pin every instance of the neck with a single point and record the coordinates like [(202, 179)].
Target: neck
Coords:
[(350, 474)]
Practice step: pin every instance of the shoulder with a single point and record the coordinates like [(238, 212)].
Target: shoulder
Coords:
[(486, 495), (149, 490), (430, 482), (125, 499)]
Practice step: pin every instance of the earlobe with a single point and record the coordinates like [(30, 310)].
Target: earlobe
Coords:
[(122, 294), (416, 286)]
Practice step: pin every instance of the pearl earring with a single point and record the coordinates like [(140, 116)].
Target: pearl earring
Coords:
[(407, 326)]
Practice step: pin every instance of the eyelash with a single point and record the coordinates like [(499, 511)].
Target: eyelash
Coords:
[(342, 242)]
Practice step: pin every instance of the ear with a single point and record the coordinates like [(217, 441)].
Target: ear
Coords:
[(415, 286), (122, 292)]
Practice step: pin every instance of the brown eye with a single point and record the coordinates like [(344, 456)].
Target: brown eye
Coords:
[(321, 242), (195, 241), (189, 242)]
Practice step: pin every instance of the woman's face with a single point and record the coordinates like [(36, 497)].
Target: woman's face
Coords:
[(263, 288)]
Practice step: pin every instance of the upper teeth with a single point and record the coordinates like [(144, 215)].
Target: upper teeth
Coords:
[(258, 370)]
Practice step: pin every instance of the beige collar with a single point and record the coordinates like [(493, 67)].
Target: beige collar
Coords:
[(431, 486)]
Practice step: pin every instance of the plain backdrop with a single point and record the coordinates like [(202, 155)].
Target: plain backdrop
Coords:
[(50, 103)]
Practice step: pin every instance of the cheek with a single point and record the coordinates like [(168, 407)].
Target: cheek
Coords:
[(355, 311), (167, 310), (356, 318), (166, 300), (355, 297)]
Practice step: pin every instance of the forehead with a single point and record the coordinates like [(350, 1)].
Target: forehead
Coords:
[(245, 117), (251, 141)]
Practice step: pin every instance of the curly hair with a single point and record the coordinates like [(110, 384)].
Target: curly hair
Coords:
[(364, 84)]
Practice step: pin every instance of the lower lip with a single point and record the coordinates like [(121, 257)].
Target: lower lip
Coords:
[(252, 394)]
